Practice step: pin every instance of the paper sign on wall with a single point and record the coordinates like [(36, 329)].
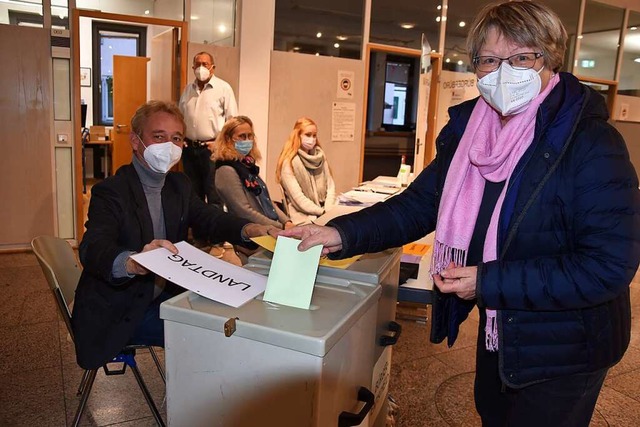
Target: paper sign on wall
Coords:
[(203, 274), (343, 121)]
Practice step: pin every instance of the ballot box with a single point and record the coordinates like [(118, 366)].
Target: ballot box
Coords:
[(382, 270), (264, 364)]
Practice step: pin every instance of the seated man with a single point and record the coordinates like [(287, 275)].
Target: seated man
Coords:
[(142, 207)]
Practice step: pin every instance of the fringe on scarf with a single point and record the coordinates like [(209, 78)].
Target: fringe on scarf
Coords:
[(491, 331), (443, 255)]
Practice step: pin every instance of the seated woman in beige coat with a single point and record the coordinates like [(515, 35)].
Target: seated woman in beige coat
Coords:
[(237, 181), (304, 174)]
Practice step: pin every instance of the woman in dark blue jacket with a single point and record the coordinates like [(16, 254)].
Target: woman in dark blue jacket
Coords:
[(536, 209)]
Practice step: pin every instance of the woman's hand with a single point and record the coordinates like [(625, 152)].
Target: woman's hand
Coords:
[(133, 267), (457, 280), (313, 235), (288, 225)]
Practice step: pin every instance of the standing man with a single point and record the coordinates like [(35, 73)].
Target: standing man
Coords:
[(207, 104)]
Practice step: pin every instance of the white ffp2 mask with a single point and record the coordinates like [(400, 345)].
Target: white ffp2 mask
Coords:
[(202, 73), (508, 90), (162, 156)]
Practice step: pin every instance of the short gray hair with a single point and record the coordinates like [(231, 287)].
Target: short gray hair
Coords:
[(525, 23)]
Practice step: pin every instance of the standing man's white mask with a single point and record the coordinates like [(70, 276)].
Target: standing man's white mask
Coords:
[(202, 73)]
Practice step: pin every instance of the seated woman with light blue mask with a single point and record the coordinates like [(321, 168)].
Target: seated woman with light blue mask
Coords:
[(237, 178)]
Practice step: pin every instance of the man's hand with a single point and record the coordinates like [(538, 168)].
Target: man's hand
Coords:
[(135, 268), (256, 230), (313, 235), (457, 280)]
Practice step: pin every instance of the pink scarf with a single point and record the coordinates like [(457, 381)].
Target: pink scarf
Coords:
[(487, 151)]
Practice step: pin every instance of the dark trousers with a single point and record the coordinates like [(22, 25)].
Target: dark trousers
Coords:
[(201, 171), (151, 330), (567, 401)]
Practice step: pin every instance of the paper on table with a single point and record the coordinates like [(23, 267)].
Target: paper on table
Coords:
[(203, 274), (415, 248), (269, 243), (292, 274)]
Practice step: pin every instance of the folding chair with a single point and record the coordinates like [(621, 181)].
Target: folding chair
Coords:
[(62, 271)]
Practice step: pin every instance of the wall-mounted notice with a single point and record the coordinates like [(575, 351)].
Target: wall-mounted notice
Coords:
[(345, 84), (343, 121)]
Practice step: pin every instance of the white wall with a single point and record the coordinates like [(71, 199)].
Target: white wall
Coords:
[(257, 23), (455, 88), (306, 85)]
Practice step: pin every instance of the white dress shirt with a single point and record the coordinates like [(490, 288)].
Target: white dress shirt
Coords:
[(205, 111)]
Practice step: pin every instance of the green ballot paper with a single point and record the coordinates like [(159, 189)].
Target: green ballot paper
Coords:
[(292, 274)]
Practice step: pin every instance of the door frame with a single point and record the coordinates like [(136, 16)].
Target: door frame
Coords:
[(76, 14), (436, 64)]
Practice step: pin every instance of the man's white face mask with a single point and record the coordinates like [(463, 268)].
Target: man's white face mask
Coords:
[(509, 90), (162, 156), (202, 73)]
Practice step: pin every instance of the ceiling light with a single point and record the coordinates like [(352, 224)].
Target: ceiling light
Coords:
[(407, 25), (146, 12), (318, 34), (437, 19), (296, 48), (342, 38), (460, 62), (317, 53), (439, 7), (222, 28), (580, 36), (462, 24), (636, 60), (447, 60), (194, 17), (633, 28), (336, 45)]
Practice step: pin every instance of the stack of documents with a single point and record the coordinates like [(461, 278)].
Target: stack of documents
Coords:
[(361, 198)]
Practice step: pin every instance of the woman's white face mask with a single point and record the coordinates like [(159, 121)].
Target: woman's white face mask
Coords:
[(509, 90)]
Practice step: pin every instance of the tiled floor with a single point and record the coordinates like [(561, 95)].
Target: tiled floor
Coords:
[(431, 383)]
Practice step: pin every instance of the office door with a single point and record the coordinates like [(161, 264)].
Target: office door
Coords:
[(129, 92)]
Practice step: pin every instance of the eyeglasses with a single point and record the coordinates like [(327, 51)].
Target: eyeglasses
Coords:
[(519, 61)]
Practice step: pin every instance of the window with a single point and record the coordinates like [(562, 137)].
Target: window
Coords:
[(319, 28), (213, 22), (108, 40), (599, 41), (400, 88), (402, 22)]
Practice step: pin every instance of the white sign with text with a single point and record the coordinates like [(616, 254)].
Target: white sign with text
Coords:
[(204, 274)]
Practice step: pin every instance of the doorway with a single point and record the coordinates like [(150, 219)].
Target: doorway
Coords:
[(116, 27), (110, 39), (392, 110)]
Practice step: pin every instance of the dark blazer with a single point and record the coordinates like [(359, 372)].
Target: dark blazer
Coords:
[(568, 240), (107, 311)]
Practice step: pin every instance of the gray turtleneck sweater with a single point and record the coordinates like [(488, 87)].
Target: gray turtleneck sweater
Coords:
[(152, 183)]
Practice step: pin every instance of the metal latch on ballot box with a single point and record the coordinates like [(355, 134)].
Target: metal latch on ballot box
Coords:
[(230, 326)]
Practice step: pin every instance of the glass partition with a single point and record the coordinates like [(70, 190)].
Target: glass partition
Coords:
[(319, 28), (569, 12), (213, 22), (27, 13), (629, 83), (166, 9), (402, 22), (458, 17), (599, 41)]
